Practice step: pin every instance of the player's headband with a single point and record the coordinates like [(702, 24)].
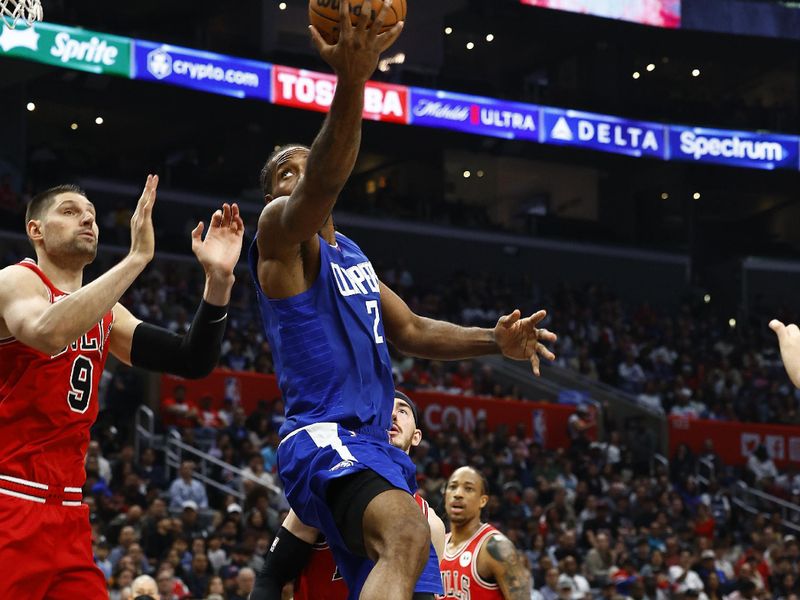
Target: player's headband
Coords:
[(398, 395)]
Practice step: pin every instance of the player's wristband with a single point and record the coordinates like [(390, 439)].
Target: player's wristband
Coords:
[(193, 355)]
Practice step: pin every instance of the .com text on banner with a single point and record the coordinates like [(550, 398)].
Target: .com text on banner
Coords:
[(204, 71), (544, 423), (69, 47), (475, 114), (733, 148), (314, 91)]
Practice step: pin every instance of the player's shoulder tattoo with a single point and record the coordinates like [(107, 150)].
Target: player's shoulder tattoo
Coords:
[(512, 575), (501, 549)]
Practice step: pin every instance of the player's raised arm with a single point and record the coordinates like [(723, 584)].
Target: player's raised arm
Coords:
[(513, 336), (505, 565), (332, 156), (25, 306), (196, 353)]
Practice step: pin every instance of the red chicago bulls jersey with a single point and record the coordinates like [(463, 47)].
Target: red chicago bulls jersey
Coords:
[(48, 403), (320, 580), (460, 577)]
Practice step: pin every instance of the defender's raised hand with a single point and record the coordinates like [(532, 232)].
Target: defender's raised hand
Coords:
[(355, 55), (143, 241), (220, 250), (520, 339)]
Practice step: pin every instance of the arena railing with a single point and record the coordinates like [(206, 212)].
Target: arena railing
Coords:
[(754, 501), (176, 451), (555, 379)]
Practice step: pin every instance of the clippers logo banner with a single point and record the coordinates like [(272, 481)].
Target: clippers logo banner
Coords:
[(204, 71), (734, 148), (660, 13), (475, 114), (314, 91), (604, 133), (69, 47)]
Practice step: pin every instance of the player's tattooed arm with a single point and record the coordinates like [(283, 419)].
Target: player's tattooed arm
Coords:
[(508, 569)]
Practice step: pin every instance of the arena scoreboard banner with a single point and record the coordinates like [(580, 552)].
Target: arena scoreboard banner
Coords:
[(100, 53), (543, 422), (69, 47), (734, 442), (314, 91), (203, 71), (604, 133), (475, 114), (734, 148), (659, 13)]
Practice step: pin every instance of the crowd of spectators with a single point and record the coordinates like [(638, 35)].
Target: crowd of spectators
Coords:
[(592, 520), (689, 361)]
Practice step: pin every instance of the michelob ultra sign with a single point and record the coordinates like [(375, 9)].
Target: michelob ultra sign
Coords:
[(69, 47)]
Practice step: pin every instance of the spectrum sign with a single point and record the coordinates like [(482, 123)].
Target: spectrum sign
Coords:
[(660, 13), (314, 91), (475, 114), (734, 148)]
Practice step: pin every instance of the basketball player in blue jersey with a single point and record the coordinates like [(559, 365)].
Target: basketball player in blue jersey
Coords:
[(328, 320)]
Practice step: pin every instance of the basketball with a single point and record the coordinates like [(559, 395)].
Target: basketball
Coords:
[(324, 15)]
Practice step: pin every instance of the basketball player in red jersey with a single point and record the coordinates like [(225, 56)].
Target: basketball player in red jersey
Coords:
[(479, 562), (55, 335), (320, 579)]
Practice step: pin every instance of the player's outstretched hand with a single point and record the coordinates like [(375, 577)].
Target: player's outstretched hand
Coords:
[(355, 55), (789, 340), (521, 339), (143, 239), (220, 250)]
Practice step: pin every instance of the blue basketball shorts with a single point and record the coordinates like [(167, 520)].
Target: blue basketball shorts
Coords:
[(310, 458)]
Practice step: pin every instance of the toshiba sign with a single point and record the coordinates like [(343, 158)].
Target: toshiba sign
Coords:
[(314, 91)]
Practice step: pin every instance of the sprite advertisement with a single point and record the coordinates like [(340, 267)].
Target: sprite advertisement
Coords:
[(69, 47)]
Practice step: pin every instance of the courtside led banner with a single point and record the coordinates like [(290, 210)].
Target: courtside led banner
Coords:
[(100, 53), (604, 133), (203, 71), (475, 114), (733, 148), (68, 47), (659, 13), (314, 91)]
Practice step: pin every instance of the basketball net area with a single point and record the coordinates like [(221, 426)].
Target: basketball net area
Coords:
[(20, 12)]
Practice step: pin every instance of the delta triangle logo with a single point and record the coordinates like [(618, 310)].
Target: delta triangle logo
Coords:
[(19, 38), (561, 131)]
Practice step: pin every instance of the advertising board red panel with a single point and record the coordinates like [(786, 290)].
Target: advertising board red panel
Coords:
[(310, 90), (735, 441), (545, 423)]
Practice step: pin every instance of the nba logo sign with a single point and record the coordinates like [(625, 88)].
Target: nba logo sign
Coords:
[(159, 63)]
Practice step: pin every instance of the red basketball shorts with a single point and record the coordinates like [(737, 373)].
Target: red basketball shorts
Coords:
[(46, 547)]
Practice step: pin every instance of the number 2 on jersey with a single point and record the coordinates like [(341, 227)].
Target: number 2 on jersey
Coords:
[(372, 306), (80, 384)]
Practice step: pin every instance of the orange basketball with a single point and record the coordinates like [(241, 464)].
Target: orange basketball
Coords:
[(324, 15)]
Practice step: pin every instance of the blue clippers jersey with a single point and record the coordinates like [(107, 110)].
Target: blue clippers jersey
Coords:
[(328, 345)]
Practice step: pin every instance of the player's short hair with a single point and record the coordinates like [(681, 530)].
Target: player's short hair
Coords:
[(481, 476), (268, 169), (41, 202)]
